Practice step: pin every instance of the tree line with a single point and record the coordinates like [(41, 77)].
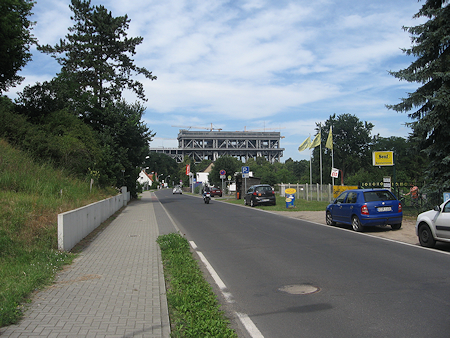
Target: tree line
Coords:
[(80, 121), (353, 145)]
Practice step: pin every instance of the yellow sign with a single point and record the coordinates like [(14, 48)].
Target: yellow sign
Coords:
[(338, 189), (290, 191), (383, 158)]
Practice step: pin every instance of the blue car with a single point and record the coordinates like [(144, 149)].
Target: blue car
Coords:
[(366, 207)]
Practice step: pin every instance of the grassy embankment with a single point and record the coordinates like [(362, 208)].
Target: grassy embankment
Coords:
[(31, 196)]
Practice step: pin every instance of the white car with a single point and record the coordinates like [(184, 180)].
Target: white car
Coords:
[(434, 225), (177, 190)]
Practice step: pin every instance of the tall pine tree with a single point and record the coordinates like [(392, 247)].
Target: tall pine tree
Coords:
[(96, 67), (96, 55), (429, 105)]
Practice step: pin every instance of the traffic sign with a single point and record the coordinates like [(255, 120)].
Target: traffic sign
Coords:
[(222, 172), (245, 172)]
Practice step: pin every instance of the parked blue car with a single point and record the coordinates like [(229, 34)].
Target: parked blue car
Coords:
[(365, 207)]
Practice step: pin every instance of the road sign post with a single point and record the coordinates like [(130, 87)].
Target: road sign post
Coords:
[(222, 176), (245, 175)]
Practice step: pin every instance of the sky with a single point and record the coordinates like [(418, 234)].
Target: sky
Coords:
[(263, 65)]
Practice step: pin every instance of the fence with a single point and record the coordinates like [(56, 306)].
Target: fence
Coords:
[(308, 192)]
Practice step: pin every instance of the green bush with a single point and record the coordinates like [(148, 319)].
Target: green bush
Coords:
[(61, 138)]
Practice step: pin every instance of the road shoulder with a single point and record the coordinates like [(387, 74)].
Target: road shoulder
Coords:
[(405, 234)]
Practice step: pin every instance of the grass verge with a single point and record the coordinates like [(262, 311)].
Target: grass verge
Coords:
[(193, 307), (300, 204)]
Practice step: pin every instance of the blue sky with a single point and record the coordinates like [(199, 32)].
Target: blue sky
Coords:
[(258, 64)]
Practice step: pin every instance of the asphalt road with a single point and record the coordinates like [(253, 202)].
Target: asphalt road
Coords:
[(366, 286)]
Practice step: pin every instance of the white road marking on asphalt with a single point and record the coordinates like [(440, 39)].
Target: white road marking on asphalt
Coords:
[(193, 245), (249, 325), (213, 273), (245, 320)]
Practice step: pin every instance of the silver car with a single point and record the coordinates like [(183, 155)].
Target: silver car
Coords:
[(177, 190), (434, 225)]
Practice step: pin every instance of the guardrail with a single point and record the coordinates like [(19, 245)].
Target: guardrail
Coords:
[(76, 224)]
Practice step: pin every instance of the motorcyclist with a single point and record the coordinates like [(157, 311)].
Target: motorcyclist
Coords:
[(205, 190)]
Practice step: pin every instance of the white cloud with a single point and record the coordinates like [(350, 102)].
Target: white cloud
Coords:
[(52, 21), (237, 63)]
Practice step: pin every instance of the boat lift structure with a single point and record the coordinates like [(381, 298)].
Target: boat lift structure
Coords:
[(214, 143)]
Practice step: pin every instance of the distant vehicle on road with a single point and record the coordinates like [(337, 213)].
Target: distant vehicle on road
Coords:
[(365, 207), (215, 191), (177, 190), (260, 194), (434, 225)]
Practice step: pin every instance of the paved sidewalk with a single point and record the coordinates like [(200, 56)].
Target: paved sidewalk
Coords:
[(115, 288)]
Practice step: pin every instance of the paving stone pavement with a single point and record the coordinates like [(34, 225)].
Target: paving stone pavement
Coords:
[(115, 288)]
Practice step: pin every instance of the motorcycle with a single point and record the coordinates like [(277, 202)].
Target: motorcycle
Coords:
[(206, 197)]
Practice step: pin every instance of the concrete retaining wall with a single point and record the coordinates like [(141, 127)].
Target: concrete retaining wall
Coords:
[(76, 224)]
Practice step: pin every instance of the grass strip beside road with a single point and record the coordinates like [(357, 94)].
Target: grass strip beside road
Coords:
[(193, 307), (300, 204)]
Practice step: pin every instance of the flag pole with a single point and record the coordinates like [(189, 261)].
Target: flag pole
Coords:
[(329, 145), (332, 154), (332, 164), (310, 166), (320, 149)]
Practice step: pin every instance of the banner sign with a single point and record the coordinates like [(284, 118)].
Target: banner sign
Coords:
[(383, 158), (338, 189)]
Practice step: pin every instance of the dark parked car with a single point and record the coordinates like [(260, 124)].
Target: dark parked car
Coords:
[(365, 207), (260, 194), (215, 192)]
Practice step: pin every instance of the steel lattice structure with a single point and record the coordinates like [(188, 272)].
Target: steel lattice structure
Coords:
[(210, 145)]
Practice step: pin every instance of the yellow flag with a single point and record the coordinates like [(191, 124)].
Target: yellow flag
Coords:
[(316, 141), (329, 144), (305, 145)]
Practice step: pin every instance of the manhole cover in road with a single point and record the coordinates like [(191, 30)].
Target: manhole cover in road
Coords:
[(299, 289)]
